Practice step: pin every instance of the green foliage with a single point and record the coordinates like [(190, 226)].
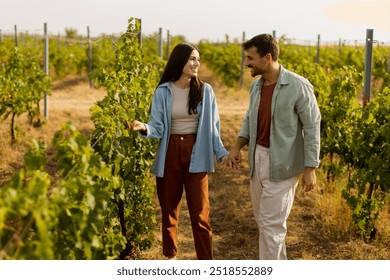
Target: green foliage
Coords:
[(380, 64), (103, 55), (93, 209), (67, 58), (340, 114), (87, 218), (130, 86), (22, 85), (224, 59), (293, 54), (370, 184), (71, 218), (71, 33)]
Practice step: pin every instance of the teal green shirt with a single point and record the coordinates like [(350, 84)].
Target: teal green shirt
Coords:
[(295, 126)]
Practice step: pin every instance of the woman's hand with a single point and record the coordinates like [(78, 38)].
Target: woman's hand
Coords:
[(137, 125)]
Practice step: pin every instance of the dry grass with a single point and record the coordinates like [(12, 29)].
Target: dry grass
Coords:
[(319, 225)]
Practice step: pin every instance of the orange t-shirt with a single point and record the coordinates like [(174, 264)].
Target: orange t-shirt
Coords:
[(264, 115)]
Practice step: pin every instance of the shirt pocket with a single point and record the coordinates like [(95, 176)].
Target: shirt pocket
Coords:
[(286, 118)]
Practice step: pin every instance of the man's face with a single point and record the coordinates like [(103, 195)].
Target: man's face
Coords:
[(255, 62)]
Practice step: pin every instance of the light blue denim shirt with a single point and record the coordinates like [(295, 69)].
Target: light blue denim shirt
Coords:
[(295, 126), (208, 141)]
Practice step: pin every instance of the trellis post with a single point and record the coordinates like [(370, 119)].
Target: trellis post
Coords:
[(368, 66), (46, 69)]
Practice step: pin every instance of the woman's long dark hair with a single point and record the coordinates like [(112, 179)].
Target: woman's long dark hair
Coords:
[(177, 60)]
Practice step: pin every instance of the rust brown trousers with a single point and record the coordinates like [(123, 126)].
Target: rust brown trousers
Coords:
[(170, 190)]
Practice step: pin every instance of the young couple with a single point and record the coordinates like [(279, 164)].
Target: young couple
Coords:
[(281, 128)]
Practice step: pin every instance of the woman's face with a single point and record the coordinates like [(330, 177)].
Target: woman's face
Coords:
[(192, 66)]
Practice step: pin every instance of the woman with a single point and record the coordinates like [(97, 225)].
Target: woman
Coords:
[(184, 116)]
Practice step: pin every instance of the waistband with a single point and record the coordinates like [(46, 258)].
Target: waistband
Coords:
[(183, 136), (262, 148)]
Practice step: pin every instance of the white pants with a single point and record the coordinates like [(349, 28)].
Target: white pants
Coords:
[(272, 203)]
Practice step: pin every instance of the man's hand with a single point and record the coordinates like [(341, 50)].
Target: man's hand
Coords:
[(234, 159), (309, 179)]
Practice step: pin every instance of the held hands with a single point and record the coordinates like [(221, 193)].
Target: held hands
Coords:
[(232, 160)]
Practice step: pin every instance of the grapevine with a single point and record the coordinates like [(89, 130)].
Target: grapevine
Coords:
[(23, 84), (72, 217), (129, 91)]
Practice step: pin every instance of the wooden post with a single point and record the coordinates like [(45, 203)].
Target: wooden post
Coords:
[(388, 64), (368, 66), (340, 46), (16, 35), (46, 68), (89, 59), (160, 43), (168, 43), (318, 49), (242, 61), (58, 41), (140, 33)]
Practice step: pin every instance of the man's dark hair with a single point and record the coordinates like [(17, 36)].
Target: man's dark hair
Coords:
[(264, 44)]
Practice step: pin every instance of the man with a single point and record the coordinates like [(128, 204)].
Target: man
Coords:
[(282, 129)]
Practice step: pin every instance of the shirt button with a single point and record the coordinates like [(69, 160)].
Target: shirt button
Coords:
[(181, 138)]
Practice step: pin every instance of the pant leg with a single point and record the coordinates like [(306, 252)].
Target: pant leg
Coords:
[(272, 203), (196, 186), (169, 191)]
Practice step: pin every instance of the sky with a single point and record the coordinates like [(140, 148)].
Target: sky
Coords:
[(299, 20)]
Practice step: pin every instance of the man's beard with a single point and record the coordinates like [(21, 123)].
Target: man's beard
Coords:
[(254, 72)]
